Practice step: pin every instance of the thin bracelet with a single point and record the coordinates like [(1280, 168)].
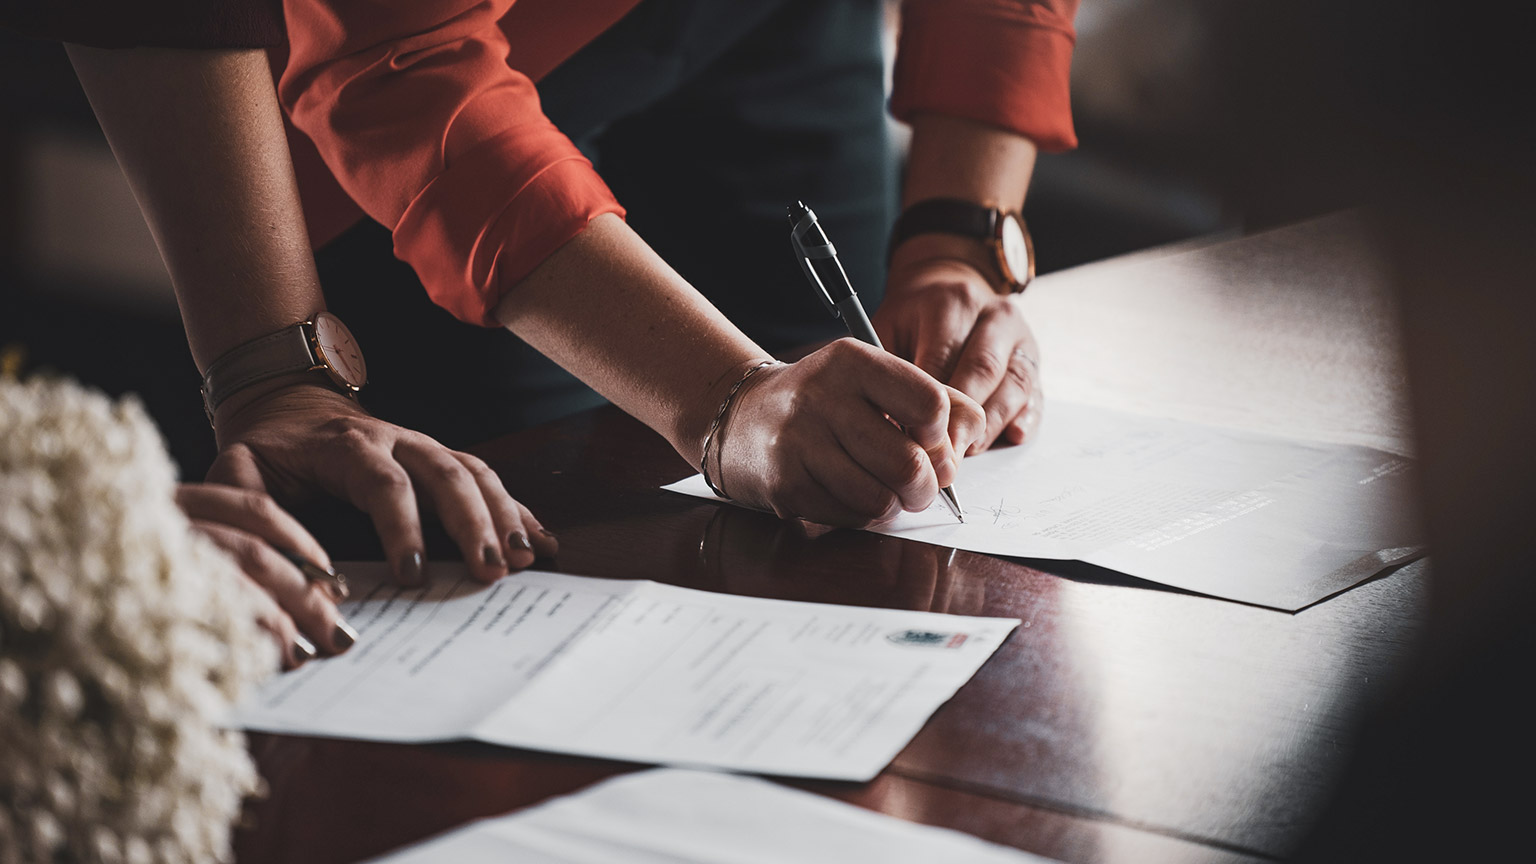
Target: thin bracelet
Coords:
[(714, 427)]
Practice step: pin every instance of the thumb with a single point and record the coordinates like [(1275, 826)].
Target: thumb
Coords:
[(236, 465)]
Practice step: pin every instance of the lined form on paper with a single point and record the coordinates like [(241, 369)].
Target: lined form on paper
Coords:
[(631, 670), (1270, 521)]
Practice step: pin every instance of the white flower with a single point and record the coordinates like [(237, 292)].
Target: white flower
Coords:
[(125, 637)]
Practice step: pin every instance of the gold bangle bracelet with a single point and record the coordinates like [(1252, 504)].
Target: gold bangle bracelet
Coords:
[(725, 405)]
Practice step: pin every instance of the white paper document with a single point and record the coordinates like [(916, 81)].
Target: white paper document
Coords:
[(672, 816), (1264, 520), (630, 670)]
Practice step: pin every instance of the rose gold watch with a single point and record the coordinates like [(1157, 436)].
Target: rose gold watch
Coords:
[(322, 344), (1003, 231)]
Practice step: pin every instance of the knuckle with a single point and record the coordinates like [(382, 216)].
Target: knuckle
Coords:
[(257, 505), (475, 465), (1019, 370), (248, 552), (348, 435), (932, 398), (989, 363), (882, 506), (314, 606), (962, 293), (385, 478), (910, 470)]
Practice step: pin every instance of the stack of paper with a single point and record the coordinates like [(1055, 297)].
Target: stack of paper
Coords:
[(1266, 520)]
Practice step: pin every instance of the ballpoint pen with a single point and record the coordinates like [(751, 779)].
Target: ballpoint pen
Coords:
[(335, 582), (818, 258)]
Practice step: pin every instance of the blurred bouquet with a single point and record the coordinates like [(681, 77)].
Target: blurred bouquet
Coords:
[(124, 639)]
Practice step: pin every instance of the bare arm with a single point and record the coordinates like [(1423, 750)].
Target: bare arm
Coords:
[(200, 137)]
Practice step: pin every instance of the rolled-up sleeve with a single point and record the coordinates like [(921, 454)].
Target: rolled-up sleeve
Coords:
[(1006, 63), (416, 112)]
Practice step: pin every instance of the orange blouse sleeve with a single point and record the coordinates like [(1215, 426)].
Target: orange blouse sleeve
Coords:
[(1006, 63), (416, 112)]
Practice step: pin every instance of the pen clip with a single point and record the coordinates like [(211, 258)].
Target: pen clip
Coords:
[(804, 256)]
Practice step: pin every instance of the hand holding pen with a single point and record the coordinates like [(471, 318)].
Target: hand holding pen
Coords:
[(818, 258), (297, 590)]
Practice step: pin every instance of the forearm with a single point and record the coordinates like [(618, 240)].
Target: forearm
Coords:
[(200, 138), (610, 311), (955, 158)]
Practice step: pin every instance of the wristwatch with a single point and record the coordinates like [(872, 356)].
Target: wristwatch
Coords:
[(1001, 230), (322, 344)]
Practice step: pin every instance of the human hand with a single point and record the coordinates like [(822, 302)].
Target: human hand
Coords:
[(943, 315), (302, 437), (816, 439), (262, 539)]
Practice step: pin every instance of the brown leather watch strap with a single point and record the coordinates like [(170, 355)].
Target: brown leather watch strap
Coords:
[(944, 216)]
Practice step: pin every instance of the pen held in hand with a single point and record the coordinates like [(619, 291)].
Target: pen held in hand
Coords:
[(335, 582), (818, 259)]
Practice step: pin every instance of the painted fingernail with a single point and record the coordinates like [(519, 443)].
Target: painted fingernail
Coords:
[(518, 540), (546, 532), (343, 637), (409, 570), (492, 556), (303, 649)]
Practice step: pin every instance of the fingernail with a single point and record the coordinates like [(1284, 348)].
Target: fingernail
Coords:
[(304, 649), (492, 556), (409, 570), (344, 636), (546, 532), (338, 586), (517, 540)]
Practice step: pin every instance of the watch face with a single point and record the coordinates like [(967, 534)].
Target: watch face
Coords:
[(337, 348), (1015, 249)]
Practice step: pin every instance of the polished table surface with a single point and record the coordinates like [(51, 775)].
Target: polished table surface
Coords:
[(1122, 722)]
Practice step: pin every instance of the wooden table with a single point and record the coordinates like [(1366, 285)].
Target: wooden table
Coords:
[(1122, 722)]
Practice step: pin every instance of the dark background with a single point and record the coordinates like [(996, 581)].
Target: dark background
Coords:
[(81, 288)]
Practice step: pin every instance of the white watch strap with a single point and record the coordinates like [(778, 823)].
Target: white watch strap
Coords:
[(280, 353)]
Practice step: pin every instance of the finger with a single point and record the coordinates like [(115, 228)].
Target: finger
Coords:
[(992, 361), (896, 388), (984, 361), (805, 496), (1009, 400), (307, 604), (236, 465), (524, 537), (376, 484), (967, 425), (275, 623), (252, 512), (453, 492), (941, 337), (1024, 426), (873, 468)]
